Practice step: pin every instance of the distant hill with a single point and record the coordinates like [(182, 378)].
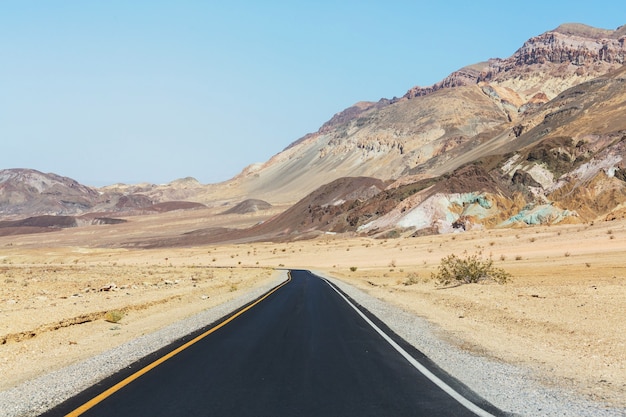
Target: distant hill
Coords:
[(31, 193), (249, 206)]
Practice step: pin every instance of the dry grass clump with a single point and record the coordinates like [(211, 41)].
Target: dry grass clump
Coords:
[(113, 316), (411, 279)]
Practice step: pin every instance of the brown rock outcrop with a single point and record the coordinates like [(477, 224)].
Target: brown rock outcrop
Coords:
[(464, 76), (559, 59), (571, 50)]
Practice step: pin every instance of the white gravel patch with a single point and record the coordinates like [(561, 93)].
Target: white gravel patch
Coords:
[(510, 388)]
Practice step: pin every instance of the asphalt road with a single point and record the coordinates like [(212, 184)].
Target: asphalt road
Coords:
[(301, 351)]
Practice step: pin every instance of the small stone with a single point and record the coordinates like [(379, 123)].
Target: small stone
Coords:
[(109, 287)]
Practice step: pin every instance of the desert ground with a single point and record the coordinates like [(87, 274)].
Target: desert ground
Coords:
[(561, 314)]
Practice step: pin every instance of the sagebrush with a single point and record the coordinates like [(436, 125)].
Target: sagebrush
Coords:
[(469, 269)]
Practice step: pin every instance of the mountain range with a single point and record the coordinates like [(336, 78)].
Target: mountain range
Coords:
[(536, 138)]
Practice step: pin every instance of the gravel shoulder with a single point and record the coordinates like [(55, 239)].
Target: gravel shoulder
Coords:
[(513, 389)]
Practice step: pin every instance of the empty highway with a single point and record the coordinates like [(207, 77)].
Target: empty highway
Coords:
[(302, 350)]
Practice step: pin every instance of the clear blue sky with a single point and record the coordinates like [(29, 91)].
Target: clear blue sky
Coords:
[(151, 91)]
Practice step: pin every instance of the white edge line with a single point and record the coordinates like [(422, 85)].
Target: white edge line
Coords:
[(427, 373)]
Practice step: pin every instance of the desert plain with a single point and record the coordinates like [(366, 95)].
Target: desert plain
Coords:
[(561, 315)]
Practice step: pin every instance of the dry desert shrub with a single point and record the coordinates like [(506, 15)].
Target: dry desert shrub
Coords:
[(469, 269)]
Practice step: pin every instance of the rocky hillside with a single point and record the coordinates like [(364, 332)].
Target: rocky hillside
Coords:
[(393, 138), (565, 163), (26, 191)]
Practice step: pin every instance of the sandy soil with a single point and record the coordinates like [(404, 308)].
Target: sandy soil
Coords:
[(562, 314)]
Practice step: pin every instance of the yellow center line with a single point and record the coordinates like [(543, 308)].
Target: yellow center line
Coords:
[(101, 397)]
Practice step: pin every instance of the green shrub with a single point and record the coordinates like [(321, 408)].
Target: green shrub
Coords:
[(353, 268), (470, 269)]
